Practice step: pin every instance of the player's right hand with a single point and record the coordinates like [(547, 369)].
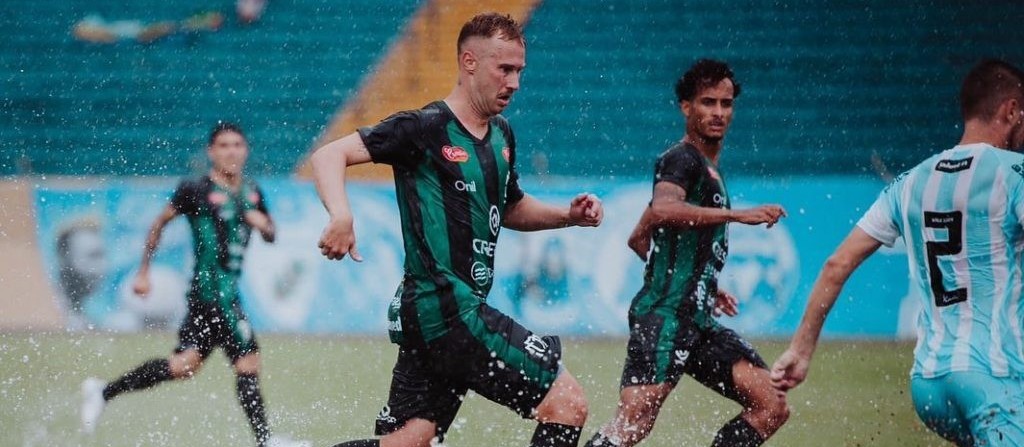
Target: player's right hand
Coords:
[(790, 370), (141, 285), (339, 239), (764, 214)]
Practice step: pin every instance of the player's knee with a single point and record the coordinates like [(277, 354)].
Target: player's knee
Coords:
[(249, 364), (564, 406), (185, 365), (771, 413)]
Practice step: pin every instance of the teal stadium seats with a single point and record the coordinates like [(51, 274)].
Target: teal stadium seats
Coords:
[(74, 108), (825, 83)]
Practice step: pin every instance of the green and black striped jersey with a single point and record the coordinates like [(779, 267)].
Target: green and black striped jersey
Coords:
[(453, 190), (219, 234), (682, 272)]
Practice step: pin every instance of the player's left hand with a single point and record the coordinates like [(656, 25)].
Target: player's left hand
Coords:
[(790, 370), (726, 303), (586, 210)]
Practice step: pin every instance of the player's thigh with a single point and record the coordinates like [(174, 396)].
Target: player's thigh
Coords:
[(937, 405), (721, 358), (233, 332), (994, 407), (419, 403), (499, 359)]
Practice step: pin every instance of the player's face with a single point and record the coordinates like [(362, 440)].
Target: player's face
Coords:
[(228, 152), (709, 114), (499, 64)]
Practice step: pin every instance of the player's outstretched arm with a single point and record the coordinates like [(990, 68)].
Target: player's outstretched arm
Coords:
[(141, 285), (791, 368), (530, 214), (669, 207), (329, 163)]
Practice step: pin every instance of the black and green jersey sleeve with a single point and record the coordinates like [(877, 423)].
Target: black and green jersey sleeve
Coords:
[(681, 277), (452, 189)]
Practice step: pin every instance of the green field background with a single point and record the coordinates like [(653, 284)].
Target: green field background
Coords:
[(329, 389)]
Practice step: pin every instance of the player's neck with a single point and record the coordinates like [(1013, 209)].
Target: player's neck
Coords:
[(226, 180), (472, 119), (976, 131), (710, 149)]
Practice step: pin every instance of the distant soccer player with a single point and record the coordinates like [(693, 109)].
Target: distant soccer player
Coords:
[(222, 208), (454, 166), (961, 215), (672, 329)]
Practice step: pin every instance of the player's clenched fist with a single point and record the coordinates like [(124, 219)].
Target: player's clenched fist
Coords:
[(338, 240), (586, 210)]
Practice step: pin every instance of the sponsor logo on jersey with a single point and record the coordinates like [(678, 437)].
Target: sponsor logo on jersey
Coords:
[(951, 166), (464, 186), (455, 154), (385, 415), (1019, 169), (505, 152), (680, 357), (718, 199), (494, 219), (483, 247), (482, 273), (535, 345)]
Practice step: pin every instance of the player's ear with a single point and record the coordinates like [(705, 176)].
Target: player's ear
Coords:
[(1010, 111), (686, 107), (468, 61)]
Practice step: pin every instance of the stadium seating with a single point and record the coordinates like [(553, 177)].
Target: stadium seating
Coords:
[(126, 108), (825, 84)]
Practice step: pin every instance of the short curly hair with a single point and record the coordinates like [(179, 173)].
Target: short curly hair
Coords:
[(705, 73)]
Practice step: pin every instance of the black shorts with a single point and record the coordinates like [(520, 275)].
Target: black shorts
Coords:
[(209, 325), (488, 353), (663, 347)]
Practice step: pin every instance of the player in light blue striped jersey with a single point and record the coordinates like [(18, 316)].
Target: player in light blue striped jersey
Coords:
[(960, 214)]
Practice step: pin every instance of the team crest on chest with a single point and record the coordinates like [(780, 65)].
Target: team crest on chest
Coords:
[(455, 154)]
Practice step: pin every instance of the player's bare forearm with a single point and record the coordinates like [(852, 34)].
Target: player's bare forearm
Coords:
[(153, 237), (837, 270), (640, 239), (530, 214), (329, 163), (670, 208), (679, 214)]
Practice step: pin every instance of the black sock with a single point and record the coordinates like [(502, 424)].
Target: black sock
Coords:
[(248, 386), (555, 435), (738, 433), (360, 443), (600, 440), (145, 376)]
